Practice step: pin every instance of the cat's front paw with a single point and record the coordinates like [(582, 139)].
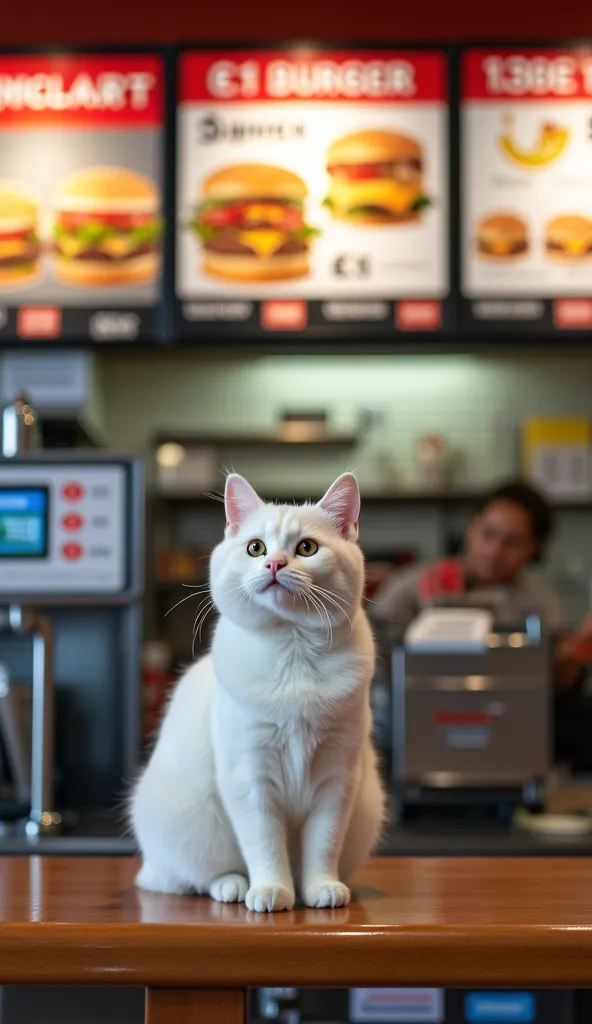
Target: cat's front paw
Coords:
[(270, 898), (326, 893), (230, 888)]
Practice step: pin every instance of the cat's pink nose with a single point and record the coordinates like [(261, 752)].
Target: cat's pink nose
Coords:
[(275, 564)]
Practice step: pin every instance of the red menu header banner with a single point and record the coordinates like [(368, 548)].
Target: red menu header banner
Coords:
[(372, 76), (527, 74), (81, 91)]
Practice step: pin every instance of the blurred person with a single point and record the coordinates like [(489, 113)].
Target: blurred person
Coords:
[(507, 533)]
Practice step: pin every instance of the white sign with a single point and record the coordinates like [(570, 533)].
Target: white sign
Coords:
[(526, 163), (401, 1005), (315, 177)]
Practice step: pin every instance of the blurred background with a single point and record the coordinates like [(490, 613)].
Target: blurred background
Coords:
[(441, 352)]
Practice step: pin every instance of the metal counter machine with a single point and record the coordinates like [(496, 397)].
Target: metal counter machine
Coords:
[(471, 711), (71, 556)]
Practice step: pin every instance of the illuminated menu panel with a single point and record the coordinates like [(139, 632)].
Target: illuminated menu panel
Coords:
[(81, 155), (312, 193), (526, 188)]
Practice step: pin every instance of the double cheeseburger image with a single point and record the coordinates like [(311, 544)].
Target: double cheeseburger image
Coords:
[(376, 177), (502, 236), (251, 224), (569, 237), (107, 228), (19, 241)]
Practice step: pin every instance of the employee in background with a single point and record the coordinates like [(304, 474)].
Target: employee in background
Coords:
[(507, 533)]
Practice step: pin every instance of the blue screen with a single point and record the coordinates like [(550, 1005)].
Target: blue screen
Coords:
[(23, 522)]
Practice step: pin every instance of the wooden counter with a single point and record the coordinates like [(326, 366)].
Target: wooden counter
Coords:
[(451, 922)]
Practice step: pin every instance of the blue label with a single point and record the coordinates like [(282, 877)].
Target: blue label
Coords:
[(22, 501), (500, 1008)]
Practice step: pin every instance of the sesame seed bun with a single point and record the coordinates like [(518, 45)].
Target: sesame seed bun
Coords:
[(564, 233), (108, 190), (373, 147), (106, 273), (256, 268), (18, 208), (254, 181)]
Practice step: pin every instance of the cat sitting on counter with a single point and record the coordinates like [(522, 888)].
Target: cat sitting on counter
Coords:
[(263, 781)]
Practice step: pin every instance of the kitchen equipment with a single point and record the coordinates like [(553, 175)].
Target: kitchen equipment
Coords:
[(71, 568), (471, 720), (62, 387)]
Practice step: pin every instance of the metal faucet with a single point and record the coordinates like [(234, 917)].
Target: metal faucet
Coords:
[(27, 621)]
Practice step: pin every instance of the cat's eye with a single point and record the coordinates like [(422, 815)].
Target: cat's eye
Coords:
[(256, 548), (307, 547)]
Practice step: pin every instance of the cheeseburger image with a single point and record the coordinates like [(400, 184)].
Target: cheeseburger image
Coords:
[(107, 228), (19, 243), (376, 178), (251, 224), (569, 238), (501, 236)]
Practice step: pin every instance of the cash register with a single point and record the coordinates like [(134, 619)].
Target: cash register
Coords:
[(471, 711)]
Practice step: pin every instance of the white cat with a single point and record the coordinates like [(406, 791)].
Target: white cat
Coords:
[(263, 779)]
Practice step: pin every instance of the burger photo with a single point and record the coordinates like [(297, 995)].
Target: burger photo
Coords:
[(501, 236), (569, 238), (376, 177), (251, 224), (107, 228), (19, 241)]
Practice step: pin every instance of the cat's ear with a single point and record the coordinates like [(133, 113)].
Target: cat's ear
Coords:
[(342, 502), (240, 500)]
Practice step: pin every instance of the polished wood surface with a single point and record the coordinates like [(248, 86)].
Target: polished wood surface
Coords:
[(186, 1006), (449, 922)]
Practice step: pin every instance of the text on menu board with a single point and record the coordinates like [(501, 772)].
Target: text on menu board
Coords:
[(34, 88), (536, 75), (340, 76)]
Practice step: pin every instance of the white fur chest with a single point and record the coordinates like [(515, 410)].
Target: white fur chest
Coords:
[(286, 763), (282, 678)]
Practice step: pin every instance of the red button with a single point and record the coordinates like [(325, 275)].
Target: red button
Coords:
[(72, 552), (72, 492), (72, 522)]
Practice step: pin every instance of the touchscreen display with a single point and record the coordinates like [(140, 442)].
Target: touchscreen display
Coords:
[(23, 522)]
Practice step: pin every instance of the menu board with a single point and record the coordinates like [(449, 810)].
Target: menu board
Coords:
[(526, 188), (312, 192), (81, 154)]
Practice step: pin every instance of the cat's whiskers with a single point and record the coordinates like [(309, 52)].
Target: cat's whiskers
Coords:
[(208, 600), (199, 625), (199, 591), (331, 593), (323, 614), (333, 600), (204, 610), (202, 613), (300, 583), (299, 591), (323, 596)]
